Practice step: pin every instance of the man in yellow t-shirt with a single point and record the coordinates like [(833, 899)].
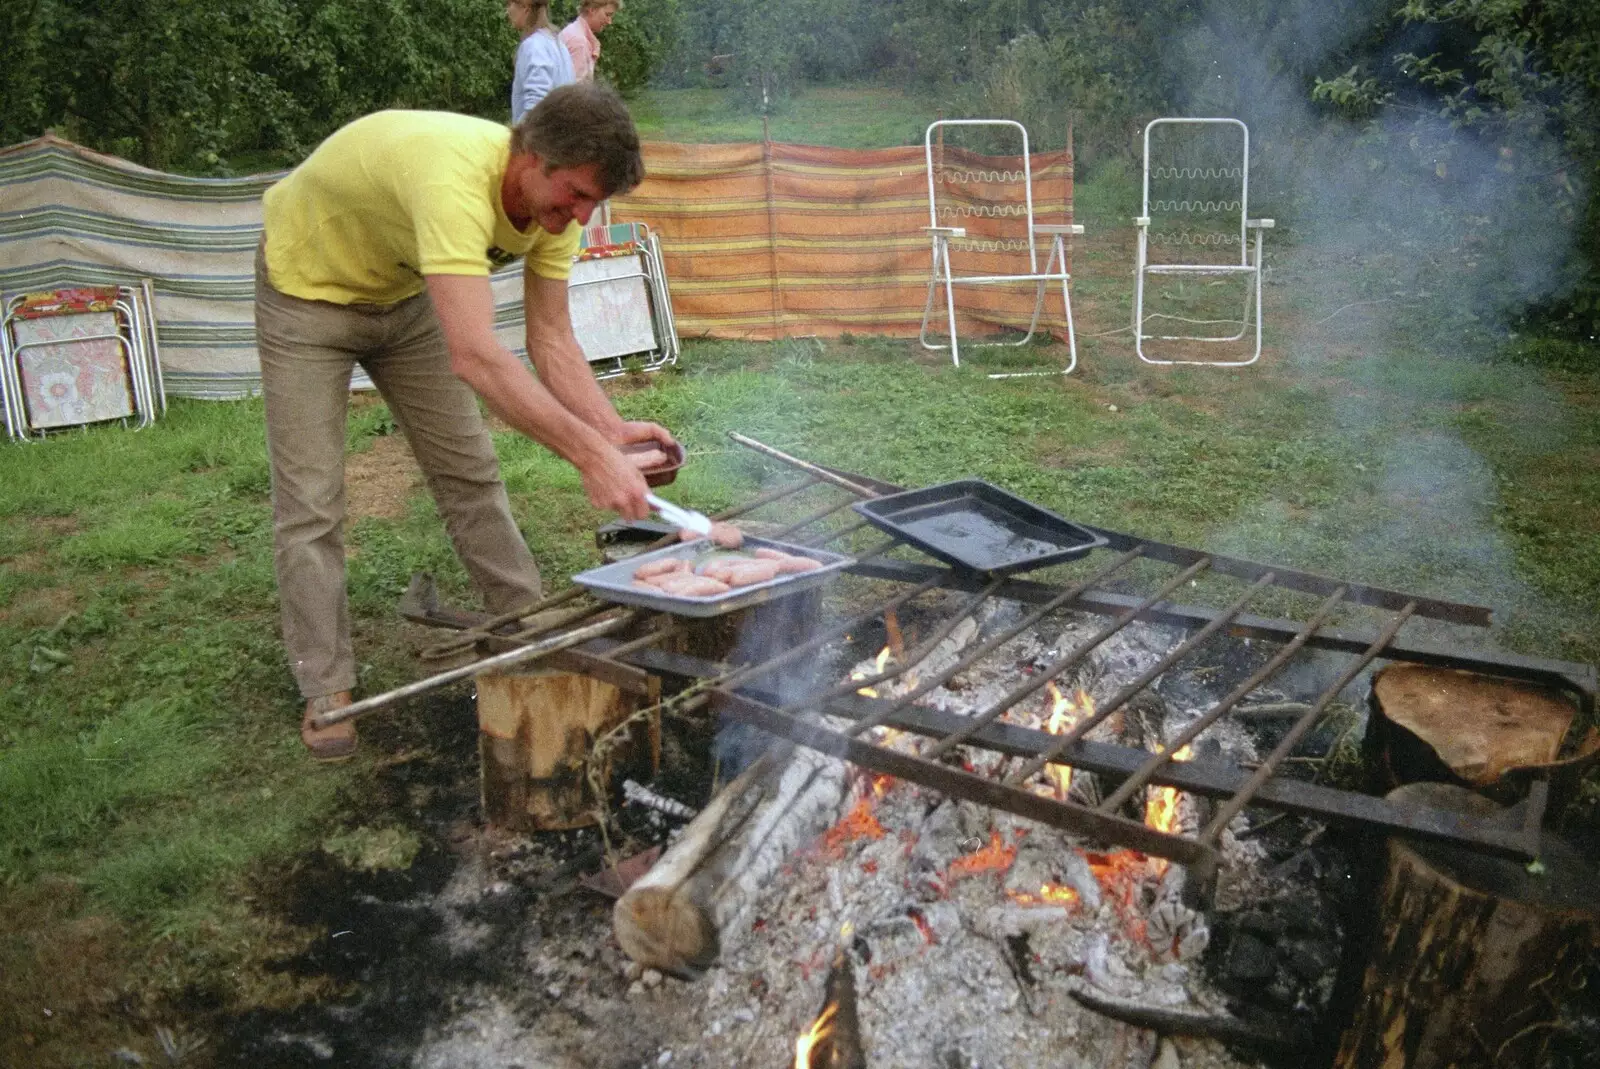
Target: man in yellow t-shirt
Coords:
[(377, 251)]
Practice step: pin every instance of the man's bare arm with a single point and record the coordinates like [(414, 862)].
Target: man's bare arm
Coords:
[(465, 306), (559, 359)]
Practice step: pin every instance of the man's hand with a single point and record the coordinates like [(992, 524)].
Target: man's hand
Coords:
[(614, 484), (642, 431)]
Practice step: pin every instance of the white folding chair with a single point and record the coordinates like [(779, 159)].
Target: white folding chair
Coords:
[(1195, 224), (996, 241)]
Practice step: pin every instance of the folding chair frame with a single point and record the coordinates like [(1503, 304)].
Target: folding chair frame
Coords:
[(133, 310), (1249, 262), (1055, 269), (652, 269)]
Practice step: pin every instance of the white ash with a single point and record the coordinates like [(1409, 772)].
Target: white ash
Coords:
[(957, 971)]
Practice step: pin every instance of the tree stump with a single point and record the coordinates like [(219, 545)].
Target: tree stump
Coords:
[(1490, 734), (536, 735), (1471, 953)]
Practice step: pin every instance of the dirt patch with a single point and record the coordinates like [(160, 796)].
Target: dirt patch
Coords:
[(54, 999), (379, 482), (42, 607)]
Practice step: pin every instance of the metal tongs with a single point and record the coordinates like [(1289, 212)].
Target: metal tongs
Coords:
[(694, 521)]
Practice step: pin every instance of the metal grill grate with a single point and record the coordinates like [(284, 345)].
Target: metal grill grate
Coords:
[(776, 695)]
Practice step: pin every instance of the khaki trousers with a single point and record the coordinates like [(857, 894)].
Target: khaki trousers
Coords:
[(308, 352)]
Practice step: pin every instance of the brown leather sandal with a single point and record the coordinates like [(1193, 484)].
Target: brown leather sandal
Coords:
[(336, 742)]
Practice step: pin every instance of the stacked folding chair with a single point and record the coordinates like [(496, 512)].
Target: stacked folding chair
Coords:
[(78, 356), (621, 311)]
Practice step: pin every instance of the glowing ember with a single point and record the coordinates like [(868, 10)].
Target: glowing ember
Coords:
[(996, 857), (1050, 894), (859, 823), (812, 1037)]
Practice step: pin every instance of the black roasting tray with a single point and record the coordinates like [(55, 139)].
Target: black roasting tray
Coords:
[(614, 582), (980, 527)]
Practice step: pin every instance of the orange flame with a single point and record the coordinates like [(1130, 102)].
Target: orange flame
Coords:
[(877, 669), (859, 823), (807, 1041), (996, 857), (1064, 714), (1161, 809)]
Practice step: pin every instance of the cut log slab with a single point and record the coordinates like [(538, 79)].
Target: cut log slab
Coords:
[(1471, 953), (1473, 730)]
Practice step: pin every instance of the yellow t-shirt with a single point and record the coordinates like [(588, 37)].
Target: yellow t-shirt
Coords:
[(394, 196)]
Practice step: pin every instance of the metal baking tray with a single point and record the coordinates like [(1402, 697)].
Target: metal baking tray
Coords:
[(614, 582), (980, 527)]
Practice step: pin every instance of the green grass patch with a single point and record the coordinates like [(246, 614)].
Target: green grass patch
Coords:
[(838, 116)]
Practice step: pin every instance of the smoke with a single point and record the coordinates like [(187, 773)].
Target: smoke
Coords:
[(1408, 243)]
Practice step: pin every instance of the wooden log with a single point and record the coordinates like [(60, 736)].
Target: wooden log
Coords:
[(1471, 952), (536, 736), (674, 917)]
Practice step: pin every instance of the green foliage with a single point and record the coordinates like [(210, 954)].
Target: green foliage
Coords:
[(190, 84)]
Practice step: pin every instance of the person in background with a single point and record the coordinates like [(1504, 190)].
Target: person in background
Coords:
[(581, 35), (542, 61), (377, 251)]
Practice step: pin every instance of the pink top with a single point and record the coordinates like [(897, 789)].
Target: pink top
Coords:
[(584, 47)]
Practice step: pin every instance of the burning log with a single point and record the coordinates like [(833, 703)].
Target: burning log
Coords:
[(834, 1039), (1471, 953), (673, 917)]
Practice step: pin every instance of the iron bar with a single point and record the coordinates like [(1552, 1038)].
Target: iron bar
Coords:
[(1232, 807), (961, 784), (468, 640), (469, 637), (918, 654), (1212, 779), (1308, 582), (802, 524), (1216, 712), (1583, 679), (999, 708), (803, 465), (995, 641), (829, 634)]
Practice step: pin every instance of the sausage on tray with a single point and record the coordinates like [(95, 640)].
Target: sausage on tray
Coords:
[(788, 563), (652, 568), (689, 585), (723, 534)]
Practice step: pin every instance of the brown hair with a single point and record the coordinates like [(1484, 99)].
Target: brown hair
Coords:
[(579, 124), (541, 12)]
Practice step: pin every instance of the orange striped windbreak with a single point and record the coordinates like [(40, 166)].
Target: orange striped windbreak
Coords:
[(771, 241)]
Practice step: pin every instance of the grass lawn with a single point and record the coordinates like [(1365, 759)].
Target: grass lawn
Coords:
[(152, 779), (840, 116)]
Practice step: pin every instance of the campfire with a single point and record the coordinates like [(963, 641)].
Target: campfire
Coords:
[(1041, 810)]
